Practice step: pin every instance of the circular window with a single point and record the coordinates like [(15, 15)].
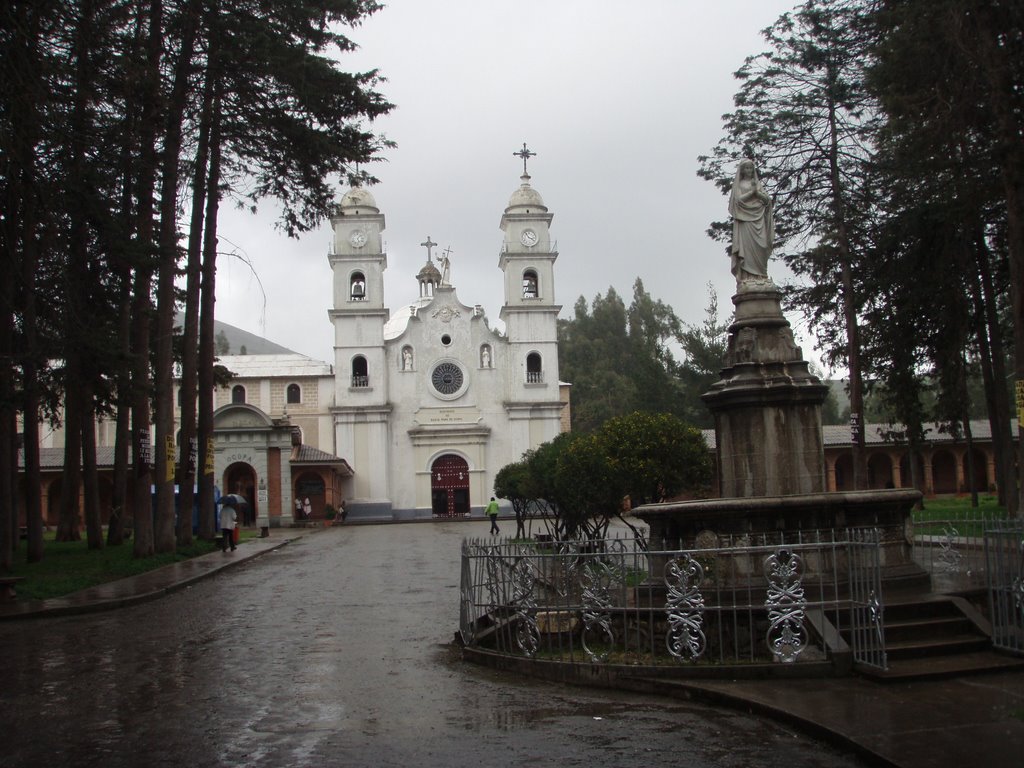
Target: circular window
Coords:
[(446, 339), (448, 379)]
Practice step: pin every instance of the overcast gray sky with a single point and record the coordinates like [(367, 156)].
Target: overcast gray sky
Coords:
[(617, 100)]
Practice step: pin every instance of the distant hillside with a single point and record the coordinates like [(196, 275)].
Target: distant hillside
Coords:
[(237, 339)]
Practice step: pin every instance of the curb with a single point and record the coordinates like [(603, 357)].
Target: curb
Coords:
[(61, 606)]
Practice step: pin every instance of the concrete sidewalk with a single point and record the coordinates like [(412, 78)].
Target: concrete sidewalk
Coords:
[(975, 720), (972, 720)]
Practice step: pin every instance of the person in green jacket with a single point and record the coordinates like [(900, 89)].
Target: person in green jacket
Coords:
[(492, 512)]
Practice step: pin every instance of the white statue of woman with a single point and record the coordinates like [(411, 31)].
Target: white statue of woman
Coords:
[(753, 225)]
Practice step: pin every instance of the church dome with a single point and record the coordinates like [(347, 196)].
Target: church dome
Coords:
[(525, 197), (360, 198)]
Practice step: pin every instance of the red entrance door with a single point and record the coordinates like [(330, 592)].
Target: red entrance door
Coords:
[(449, 486)]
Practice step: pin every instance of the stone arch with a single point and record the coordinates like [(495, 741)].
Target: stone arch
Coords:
[(531, 284), (240, 478), (360, 372), (357, 287), (906, 477), (449, 486), (879, 470), (844, 471), (534, 368), (981, 484), (944, 471)]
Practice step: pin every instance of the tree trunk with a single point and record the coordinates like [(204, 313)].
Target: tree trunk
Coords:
[(121, 500), (142, 448), (207, 479), (90, 477), (849, 302), (992, 346), (189, 467), (167, 274)]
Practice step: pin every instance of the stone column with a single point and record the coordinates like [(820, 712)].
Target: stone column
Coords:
[(767, 405)]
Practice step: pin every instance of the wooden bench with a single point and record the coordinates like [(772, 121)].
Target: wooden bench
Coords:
[(7, 583)]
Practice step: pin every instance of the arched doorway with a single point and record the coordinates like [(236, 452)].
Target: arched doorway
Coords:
[(879, 471), (944, 472), (906, 477), (240, 478), (310, 485), (449, 486), (844, 472), (980, 467)]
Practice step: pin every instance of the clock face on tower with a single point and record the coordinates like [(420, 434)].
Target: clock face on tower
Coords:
[(528, 238), (357, 238)]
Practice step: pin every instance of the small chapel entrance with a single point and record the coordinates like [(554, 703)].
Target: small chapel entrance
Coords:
[(449, 486), (240, 478)]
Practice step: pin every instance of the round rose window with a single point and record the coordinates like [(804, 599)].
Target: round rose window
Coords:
[(447, 378)]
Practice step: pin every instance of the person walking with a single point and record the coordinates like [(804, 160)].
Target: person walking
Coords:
[(492, 512), (228, 518)]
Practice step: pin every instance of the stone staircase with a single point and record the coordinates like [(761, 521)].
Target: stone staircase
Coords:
[(933, 636)]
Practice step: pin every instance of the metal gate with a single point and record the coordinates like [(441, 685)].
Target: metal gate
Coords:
[(1004, 561), (867, 631)]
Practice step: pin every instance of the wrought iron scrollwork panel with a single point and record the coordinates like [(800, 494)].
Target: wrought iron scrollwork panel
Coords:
[(949, 556), (525, 606), (785, 603), (595, 581), (685, 638)]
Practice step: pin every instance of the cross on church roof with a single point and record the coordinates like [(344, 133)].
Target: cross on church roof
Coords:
[(525, 154), (428, 244)]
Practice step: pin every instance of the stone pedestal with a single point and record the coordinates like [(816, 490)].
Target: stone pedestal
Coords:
[(767, 405)]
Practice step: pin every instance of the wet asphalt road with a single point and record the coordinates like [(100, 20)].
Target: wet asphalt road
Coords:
[(334, 650)]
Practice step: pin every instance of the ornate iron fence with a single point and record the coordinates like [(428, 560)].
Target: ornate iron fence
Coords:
[(1004, 557), (612, 601), (952, 547)]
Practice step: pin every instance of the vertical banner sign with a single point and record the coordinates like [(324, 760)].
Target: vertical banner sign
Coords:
[(193, 455), (1019, 390), (169, 456), (208, 468), (854, 426), (145, 457)]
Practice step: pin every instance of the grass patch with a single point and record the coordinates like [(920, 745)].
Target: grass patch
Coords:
[(956, 512), (68, 566)]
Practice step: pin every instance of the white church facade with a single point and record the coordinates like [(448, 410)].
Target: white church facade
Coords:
[(419, 409), (430, 402)]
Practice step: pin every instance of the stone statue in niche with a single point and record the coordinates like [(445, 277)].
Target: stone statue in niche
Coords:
[(407, 359), (485, 356), (753, 226)]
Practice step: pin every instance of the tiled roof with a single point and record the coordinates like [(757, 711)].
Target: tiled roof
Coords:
[(307, 454), (53, 458), (274, 366), (876, 434)]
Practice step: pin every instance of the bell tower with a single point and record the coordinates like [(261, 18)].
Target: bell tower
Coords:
[(361, 411), (530, 313), (358, 262)]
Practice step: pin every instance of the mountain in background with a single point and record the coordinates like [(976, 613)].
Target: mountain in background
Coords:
[(239, 342)]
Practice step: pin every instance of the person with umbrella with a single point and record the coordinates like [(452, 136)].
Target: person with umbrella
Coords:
[(228, 518)]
